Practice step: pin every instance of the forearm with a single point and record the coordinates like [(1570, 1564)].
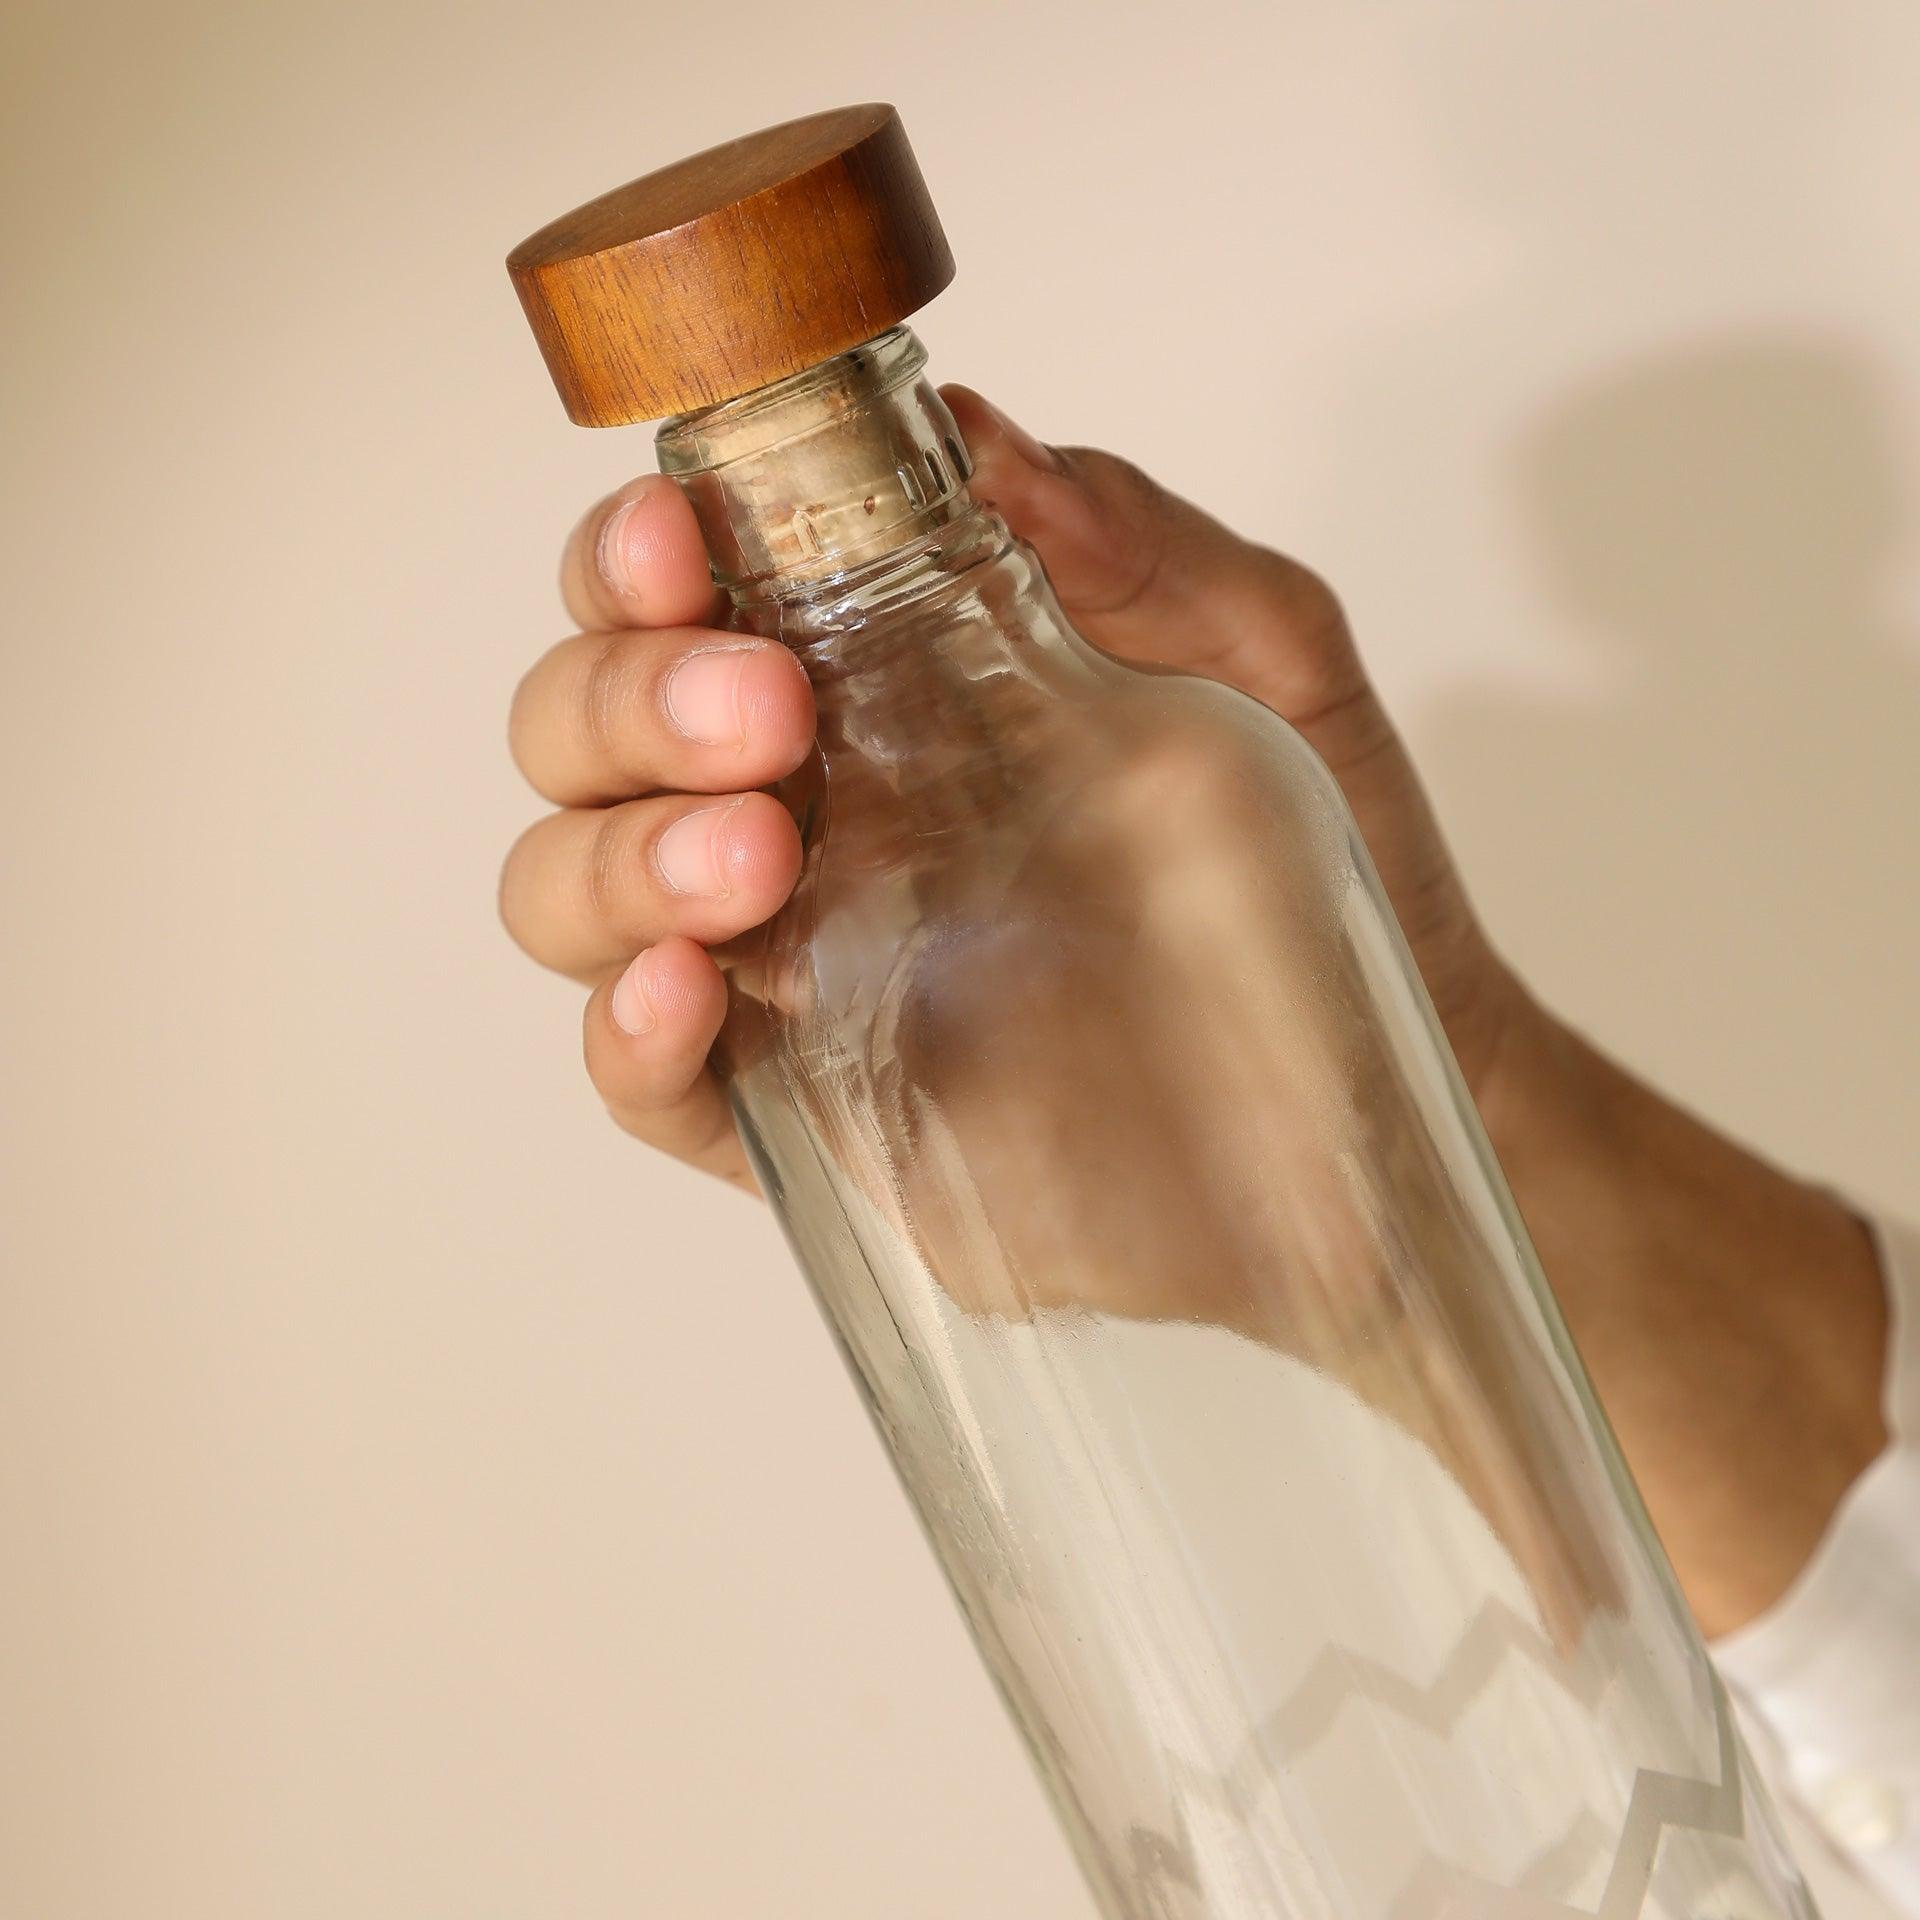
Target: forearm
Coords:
[(1733, 1317)]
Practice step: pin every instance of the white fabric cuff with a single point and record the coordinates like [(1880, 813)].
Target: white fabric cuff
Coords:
[(1833, 1668)]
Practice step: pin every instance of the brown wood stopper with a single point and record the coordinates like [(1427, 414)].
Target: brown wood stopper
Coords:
[(739, 266)]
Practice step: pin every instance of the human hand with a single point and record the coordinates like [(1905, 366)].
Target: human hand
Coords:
[(1697, 1278), (652, 730)]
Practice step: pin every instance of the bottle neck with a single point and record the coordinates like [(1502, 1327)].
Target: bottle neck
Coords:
[(839, 475)]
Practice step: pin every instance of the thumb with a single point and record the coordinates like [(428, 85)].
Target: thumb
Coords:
[(1151, 576), (1147, 576)]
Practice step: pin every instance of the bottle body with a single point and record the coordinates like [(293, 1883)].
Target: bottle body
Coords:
[(1100, 1099)]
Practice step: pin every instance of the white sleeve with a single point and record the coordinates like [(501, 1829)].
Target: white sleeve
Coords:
[(1832, 1671)]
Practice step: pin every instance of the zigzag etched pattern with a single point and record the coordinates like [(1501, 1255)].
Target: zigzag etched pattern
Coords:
[(1439, 1889), (1337, 1676), (1659, 1801)]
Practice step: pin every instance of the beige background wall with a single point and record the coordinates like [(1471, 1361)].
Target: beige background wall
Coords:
[(417, 1502)]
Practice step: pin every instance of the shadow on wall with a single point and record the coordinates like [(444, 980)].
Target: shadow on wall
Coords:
[(1719, 521)]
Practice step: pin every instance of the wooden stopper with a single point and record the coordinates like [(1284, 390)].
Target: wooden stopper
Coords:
[(742, 265)]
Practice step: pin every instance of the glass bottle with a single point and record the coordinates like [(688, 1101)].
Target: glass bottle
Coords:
[(1097, 1092)]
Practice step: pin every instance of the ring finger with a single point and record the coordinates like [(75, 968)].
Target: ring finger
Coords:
[(585, 889)]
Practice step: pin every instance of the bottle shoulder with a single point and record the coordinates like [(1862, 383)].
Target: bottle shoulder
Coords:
[(1066, 733), (1049, 841)]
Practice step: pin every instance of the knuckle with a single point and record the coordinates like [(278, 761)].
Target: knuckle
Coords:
[(605, 705), (606, 869), (1312, 603), (1129, 486), (1302, 618), (1140, 487), (522, 720), (517, 894)]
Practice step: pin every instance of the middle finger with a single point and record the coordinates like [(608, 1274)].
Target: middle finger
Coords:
[(587, 889), (607, 716)]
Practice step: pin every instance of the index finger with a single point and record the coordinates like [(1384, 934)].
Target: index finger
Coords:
[(637, 560)]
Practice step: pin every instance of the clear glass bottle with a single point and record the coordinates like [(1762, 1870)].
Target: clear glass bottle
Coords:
[(1102, 1103), (1097, 1091)]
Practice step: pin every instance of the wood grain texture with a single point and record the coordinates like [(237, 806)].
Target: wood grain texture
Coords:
[(746, 263)]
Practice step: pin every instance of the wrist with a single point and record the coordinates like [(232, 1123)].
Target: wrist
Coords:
[(1515, 1057), (1732, 1316)]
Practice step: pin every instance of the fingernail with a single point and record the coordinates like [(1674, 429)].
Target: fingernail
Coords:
[(616, 568), (702, 696), (1036, 453), (692, 853), (632, 1010)]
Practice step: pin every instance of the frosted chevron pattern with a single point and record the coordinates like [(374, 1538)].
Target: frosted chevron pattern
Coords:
[(1331, 1744), (1659, 1801)]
